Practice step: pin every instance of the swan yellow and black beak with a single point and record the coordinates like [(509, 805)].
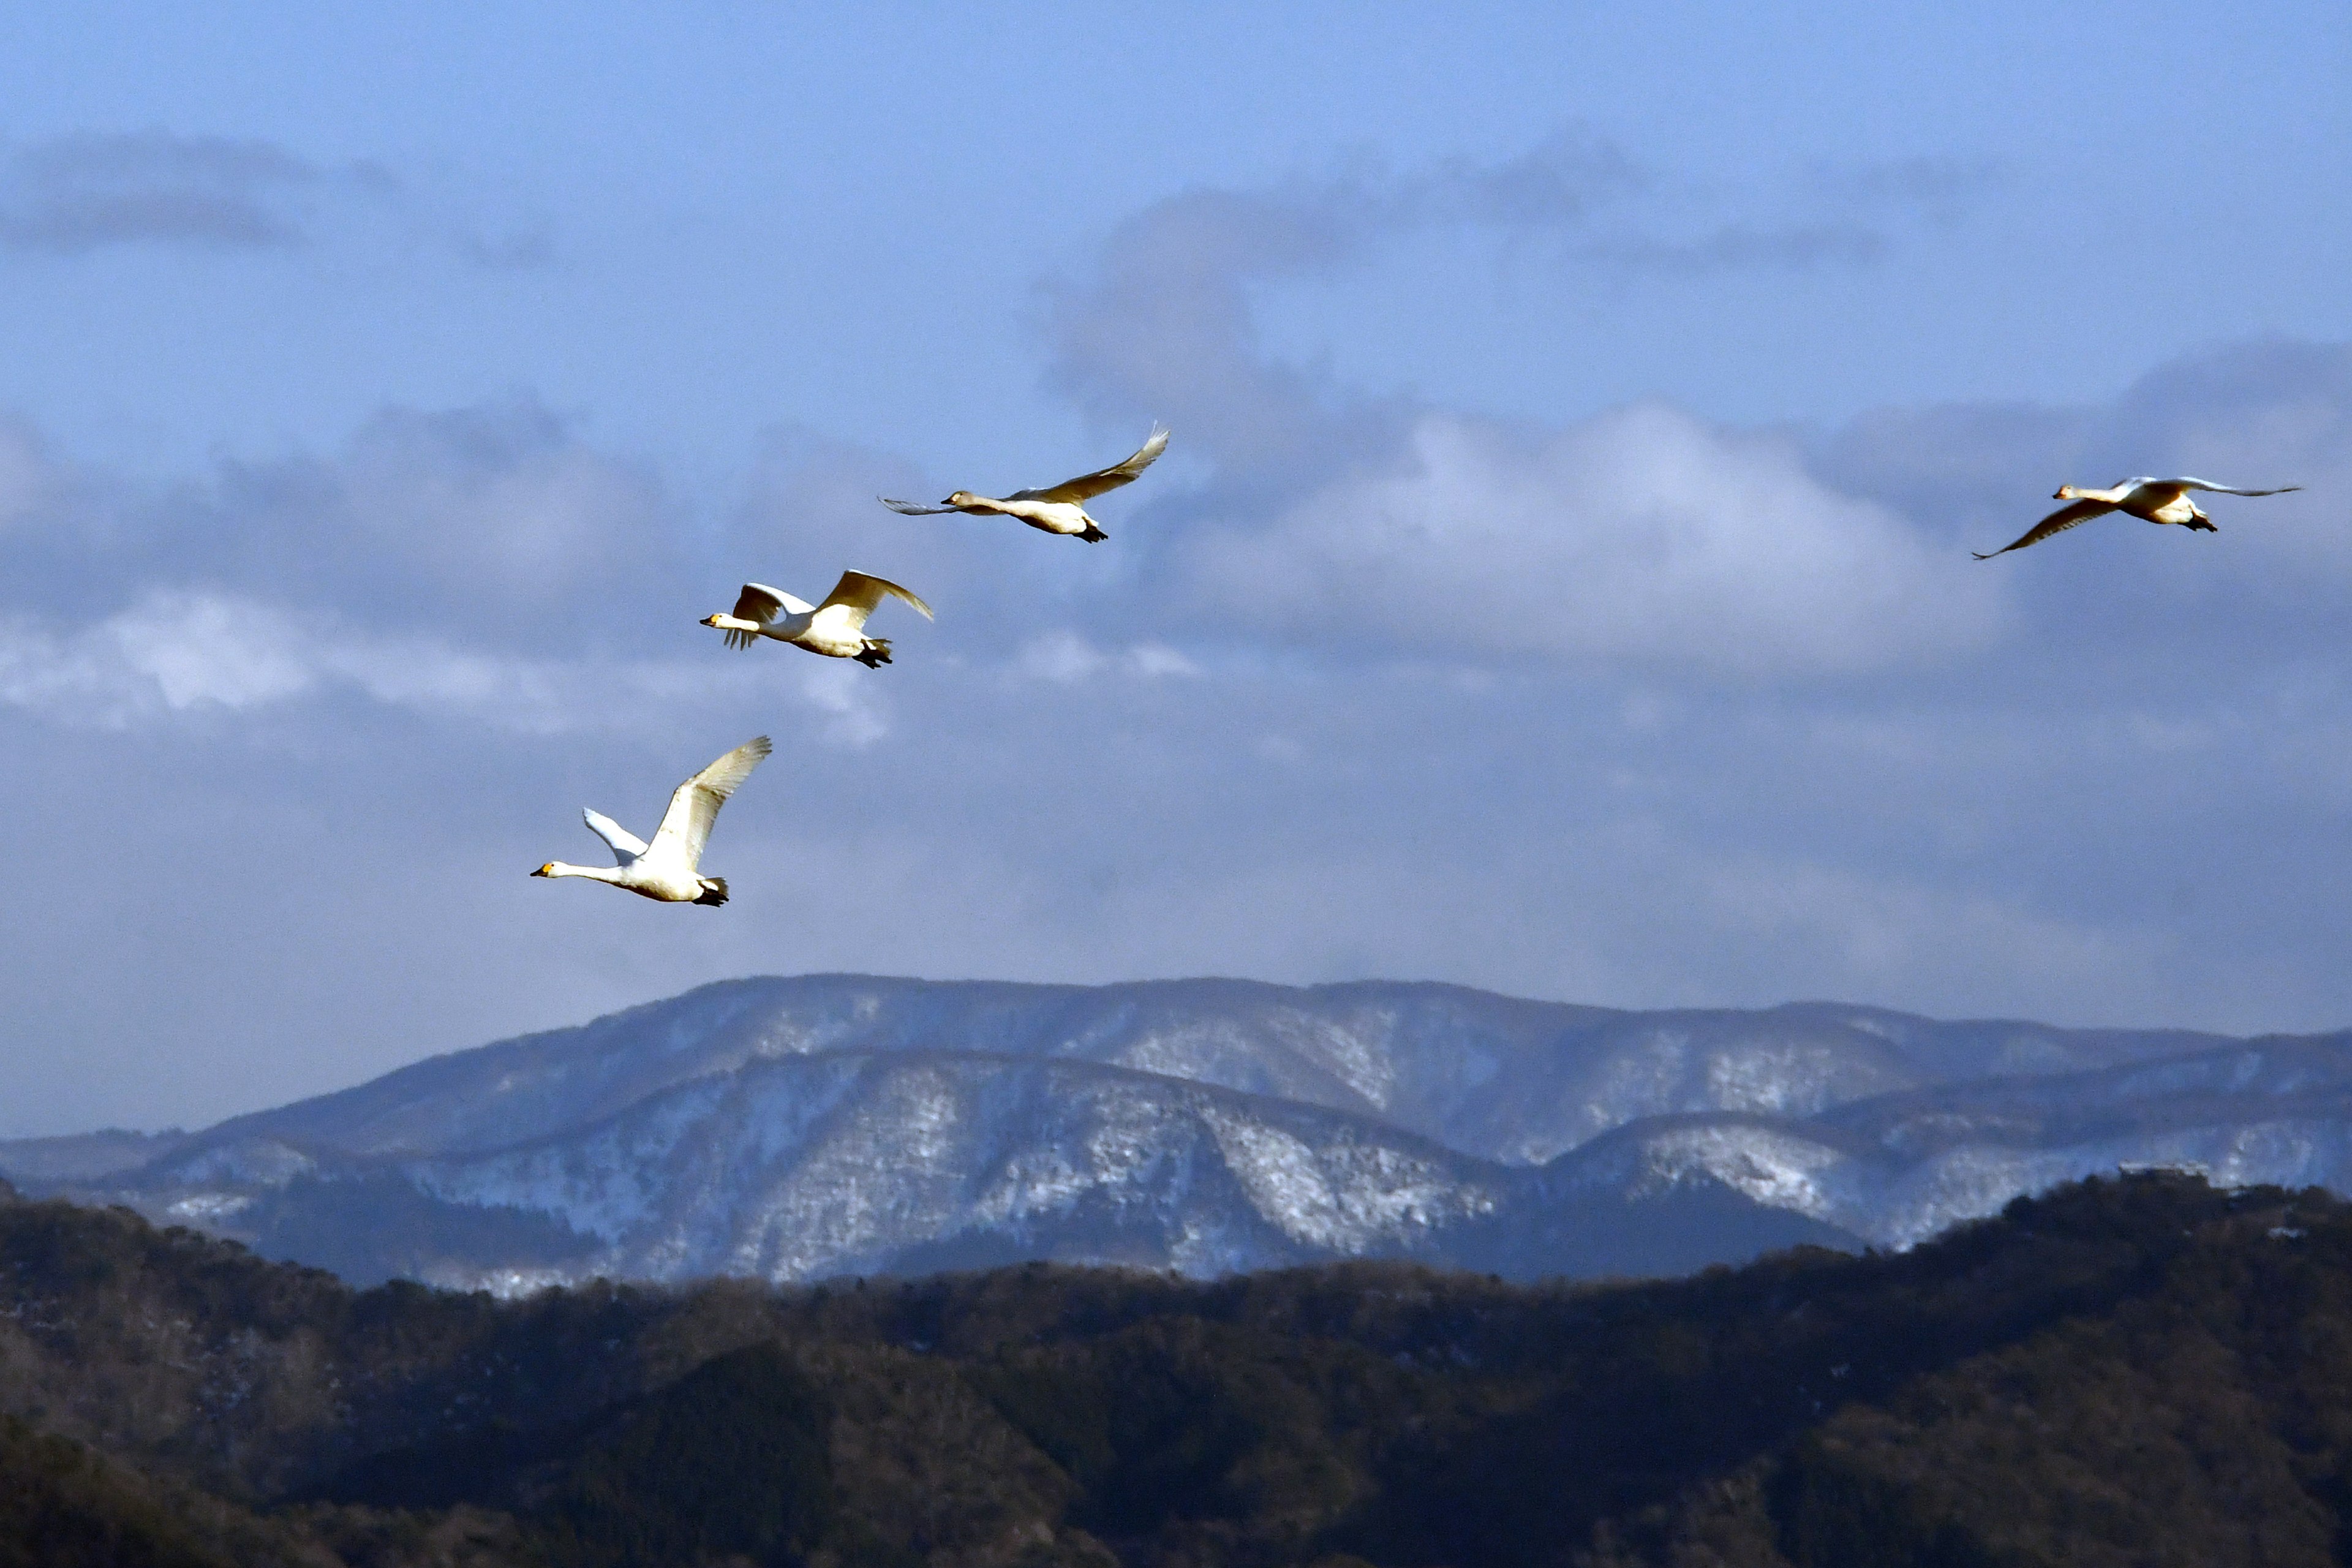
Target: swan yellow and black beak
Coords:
[(546, 870)]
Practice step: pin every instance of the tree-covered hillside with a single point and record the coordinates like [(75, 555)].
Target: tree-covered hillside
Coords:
[(2141, 1371)]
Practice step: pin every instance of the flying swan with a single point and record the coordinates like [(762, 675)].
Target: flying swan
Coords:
[(1059, 509), (2151, 500), (836, 629), (668, 868)]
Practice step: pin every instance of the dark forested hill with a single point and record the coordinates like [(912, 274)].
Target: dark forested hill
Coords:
[(2143, 1371)]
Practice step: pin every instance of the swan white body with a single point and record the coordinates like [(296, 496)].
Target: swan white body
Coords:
[(670, 868), (836, 629), (2151, 500), (1056, 508)]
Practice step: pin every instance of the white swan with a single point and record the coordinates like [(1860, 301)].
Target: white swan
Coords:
[(2152, 499), (669, 867), (1057, 509), (836, 629)]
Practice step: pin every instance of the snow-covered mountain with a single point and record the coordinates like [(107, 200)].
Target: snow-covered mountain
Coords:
[(1898, 1168), (800, 1128), (806, 1167), (1508, 1080)]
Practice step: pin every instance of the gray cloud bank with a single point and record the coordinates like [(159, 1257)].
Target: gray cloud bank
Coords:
[(91, 189), (1636, 708)]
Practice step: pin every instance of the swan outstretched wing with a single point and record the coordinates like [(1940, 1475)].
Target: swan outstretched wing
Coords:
[(695, 804), (2224, 490), (1085, 486), (757, 602), (865, 594), (2058, 522), (914, 508), (625, 845)]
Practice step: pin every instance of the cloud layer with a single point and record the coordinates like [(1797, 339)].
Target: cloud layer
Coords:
[(1639, 708), (90, 191)]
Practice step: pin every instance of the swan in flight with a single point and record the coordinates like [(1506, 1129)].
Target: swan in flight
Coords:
[(1057, 509), (2152, 499), (669, 867), (836, 629)]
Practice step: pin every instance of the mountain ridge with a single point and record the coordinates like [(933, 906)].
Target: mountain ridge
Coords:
[(794, 1126), (841, 1162), (1133, 1024)]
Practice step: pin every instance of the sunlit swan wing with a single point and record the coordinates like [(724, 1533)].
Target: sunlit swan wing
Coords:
[(757, 602), (2220, 489), (913, 508), (1085, 486), (695, 806), (625, 845), (2058, 522), (865, 594)]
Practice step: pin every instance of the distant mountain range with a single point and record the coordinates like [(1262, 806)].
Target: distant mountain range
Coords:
[(797, 1129)]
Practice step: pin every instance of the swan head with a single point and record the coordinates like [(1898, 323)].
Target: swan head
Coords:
[(962, 498), (2064, 492), (710, 620), (546, 870)]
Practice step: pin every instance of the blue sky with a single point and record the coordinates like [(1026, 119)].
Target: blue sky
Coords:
[(1558, 580)]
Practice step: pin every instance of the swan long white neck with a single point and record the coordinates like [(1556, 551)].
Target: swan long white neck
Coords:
[(783, 628), (600, 873)]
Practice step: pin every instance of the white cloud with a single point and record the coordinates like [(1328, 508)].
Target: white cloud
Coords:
[(196, 650), (177, 652), (168, 653), (1643, 535), (1065, 657), (1152, 659), (1343, 522), (855, 715)]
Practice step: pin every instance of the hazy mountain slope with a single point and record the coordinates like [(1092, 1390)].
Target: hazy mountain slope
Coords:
[(1898, 1168), (84, 1156), (1504, 1078)]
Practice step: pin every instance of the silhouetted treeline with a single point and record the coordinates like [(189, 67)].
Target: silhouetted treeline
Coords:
[(2139, 1371)]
